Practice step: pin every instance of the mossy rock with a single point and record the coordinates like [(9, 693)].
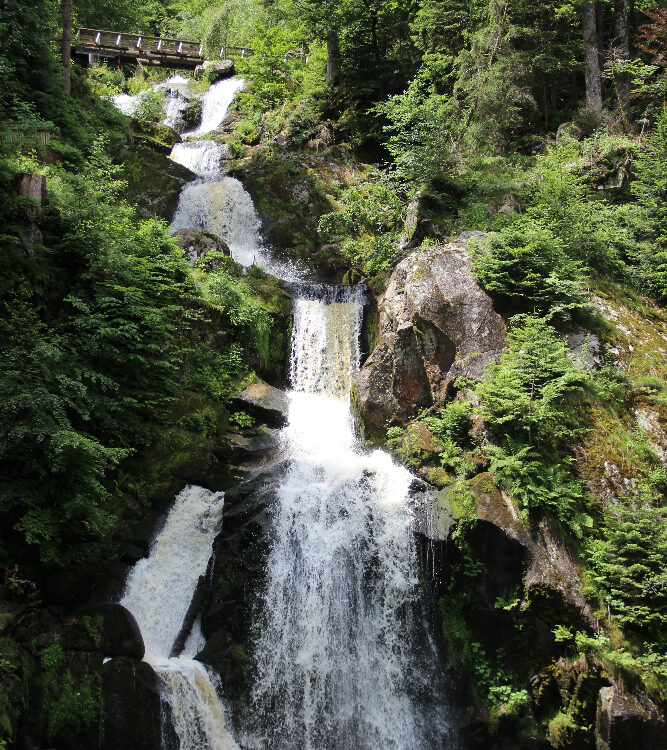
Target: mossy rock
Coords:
[(113, 630), (154, 182)]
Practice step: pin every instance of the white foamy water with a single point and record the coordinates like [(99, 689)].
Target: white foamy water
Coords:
[(176, 97), (225, 208), (158, 592), (342, 657), (201, 157), (215, 103)]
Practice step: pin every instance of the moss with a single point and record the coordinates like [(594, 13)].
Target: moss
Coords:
[(292, 191)]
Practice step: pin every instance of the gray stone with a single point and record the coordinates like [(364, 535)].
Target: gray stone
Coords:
[(119, 634), (587, 348), (435, 324), (623, 722), (264, 402), (196, 243), (33, 186), (215, 70), (131, 706)]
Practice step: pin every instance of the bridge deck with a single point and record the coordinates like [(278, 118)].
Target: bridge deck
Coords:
[(148, 50)]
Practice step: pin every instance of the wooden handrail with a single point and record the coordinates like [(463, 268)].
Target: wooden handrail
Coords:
[(136, 36)]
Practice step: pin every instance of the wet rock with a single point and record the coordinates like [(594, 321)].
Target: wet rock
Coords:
[(264, 402), (215, 70), (235, 578), (435, 324), (623, 722), (252, 445), (191, 115), (131, 706), (114, 630), (155, 135), (154, 181), (196, 243)]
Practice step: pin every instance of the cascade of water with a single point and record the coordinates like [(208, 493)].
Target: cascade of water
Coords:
[(225, 208), (201, 157), (342, 658), (176, 97), (158, 592), (215, 103)]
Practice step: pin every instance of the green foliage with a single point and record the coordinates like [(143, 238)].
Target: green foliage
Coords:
[(394, 432), (532, 393), (650, 189), (273, 73), (241, 419), (151, 106), (531, 400), (630, 561), (367, 224), (526, 264)]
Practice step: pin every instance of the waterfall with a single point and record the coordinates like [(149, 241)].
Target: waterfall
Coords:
[(215, 103), (342, 658), (218, 203), (158, 592), (176, 97)]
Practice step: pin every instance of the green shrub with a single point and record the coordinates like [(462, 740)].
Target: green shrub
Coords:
[(526, 265)]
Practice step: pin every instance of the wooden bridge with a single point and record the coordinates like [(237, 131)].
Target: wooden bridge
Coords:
[(155, 50), (138, 48)]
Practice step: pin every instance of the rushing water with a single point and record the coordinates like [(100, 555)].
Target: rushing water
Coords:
[(215, 103), (342, 656), (158, 592)]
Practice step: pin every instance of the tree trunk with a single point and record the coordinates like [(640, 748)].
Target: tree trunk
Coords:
[(333, 57), (622, 50), (66, 12), (592, 59)]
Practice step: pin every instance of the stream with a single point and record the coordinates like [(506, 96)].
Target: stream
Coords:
[(343, 657)]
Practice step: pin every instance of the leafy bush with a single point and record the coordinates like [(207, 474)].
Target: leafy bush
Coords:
[(630, 561), (367, 225), (151, 106), (532, 392), (526, 265)]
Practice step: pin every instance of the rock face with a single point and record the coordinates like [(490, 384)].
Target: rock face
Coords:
[(435, 324), (623, 722), (154, 181), (131, 706), (264, 402)]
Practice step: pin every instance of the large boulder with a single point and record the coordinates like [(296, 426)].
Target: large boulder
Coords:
[(113, 629), (131, 706), (196, 243), (214, 70), (154, 181), (435, 324), (264, 402)]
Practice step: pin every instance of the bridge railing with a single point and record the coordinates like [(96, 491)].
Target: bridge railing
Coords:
[(229, 51), (109, 40)]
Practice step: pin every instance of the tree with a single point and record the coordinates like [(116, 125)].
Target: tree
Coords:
[(592, 57), (66, 14), (621, 51), (531, 393)]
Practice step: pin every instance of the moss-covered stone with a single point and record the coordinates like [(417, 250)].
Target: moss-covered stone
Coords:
[(154, 181)]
